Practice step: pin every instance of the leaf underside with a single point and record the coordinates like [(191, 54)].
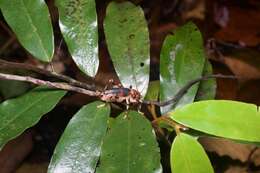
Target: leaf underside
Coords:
[(188, 156), (228, 119), (182, 59)]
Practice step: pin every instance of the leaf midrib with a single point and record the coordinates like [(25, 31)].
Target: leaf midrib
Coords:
[(128, 145), (22, 112), (35, 29), (187, 160), (81, 148)]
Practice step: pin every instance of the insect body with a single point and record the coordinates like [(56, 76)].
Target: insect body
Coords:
[(121, 95)]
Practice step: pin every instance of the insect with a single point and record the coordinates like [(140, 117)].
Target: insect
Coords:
[(120, 94), (132, 97)]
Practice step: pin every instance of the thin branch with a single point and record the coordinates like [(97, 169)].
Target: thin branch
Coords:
[(185, 89), (13, 65), (57, 85), (7, 44), (68, 87)]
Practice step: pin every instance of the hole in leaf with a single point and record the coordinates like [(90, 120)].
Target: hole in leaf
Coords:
[(131, 36), (110, 155), (123, 20), (141, 64), (171, 33)]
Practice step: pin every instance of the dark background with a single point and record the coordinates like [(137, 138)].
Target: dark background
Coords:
[(231, 33)]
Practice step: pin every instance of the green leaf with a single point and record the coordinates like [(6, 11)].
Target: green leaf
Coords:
[(78, 24), (228, 119), (30, 20), (153, 91), (130, 146), (16, 115), (10, 89), (128, 44), (79, 148), (207, 88), (182, 59), (188, 156)]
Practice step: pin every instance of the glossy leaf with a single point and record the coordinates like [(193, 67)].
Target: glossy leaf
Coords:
[(30, 20), (130, 146), (188, 156), (79, 147), (153, 91), (16, 115), (207, 88), (182, 59), (78, 24), (228, 119), (10, 89), (128, 44)]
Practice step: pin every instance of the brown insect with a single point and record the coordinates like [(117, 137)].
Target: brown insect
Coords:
[(120, 94)]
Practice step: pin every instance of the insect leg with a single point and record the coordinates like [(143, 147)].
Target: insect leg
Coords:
[(127, 100), (110, 84)]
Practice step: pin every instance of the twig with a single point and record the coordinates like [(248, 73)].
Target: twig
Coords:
[(57, 85), (68, 87), (185, 89), (7, 44), (13, 65)]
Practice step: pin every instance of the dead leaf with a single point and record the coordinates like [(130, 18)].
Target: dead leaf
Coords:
[(33, 168), (15, 151), (243, 26), (236, 169), (224, 147), (256, 157), (245, 64), (221, 15), (226, 88), (198, 12), (249, 92)]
